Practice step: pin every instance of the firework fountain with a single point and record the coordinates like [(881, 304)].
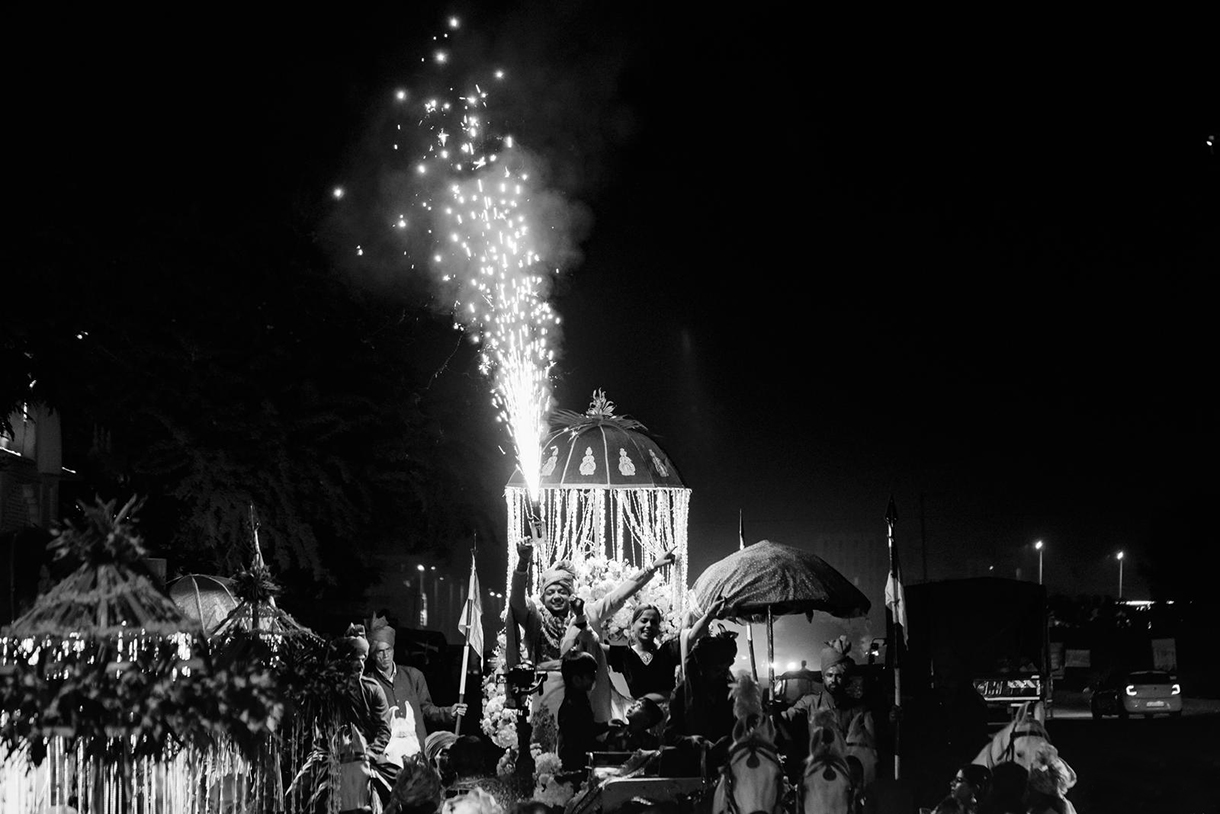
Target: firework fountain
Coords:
[(489, 228), (472, 196)]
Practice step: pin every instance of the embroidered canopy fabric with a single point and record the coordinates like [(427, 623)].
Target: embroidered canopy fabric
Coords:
[(607, 489), (786, 579)]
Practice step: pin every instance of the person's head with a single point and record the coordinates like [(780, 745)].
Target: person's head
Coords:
[(837, 666), (352, 649), (645, 624), (970, 781), (436, 749), (417, 790), (715, 654), (381, 644), (644, 713), (579, 671), (558, 583)]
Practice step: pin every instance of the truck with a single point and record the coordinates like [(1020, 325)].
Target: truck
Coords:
[(995, 629)]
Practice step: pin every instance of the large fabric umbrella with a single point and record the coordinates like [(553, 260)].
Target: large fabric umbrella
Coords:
[(769, 579)]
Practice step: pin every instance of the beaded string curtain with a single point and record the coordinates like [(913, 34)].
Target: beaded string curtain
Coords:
[(606, 489)]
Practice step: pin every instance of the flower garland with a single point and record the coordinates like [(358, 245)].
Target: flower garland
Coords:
[(547, 789), (596, 577)]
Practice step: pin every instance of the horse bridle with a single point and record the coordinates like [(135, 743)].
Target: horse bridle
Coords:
[(730, 781), (1010, 751)]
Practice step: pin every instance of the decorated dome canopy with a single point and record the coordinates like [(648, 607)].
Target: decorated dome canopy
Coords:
[(598, 449)]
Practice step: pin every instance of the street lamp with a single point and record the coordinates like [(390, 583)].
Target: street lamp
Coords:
[(1120, 576), (1038, 548)]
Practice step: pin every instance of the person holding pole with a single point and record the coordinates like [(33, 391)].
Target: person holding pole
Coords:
[(405, 687)]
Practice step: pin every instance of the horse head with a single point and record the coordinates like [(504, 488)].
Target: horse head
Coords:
[(830, 781), (752, 780), (1019, 741)]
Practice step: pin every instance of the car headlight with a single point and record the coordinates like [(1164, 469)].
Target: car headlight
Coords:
[(1177, 689), (1130, 689)]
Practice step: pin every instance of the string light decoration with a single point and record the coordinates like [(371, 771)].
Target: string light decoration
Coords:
[(607, 491), (109, 692)]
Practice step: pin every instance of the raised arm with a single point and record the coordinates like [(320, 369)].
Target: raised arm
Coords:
[(580, 634), (612, 602), (698, 628), (516, 591)]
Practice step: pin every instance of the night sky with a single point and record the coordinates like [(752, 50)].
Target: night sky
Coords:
[(823, 261)]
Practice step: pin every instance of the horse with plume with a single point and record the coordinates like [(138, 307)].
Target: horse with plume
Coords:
[(833, 779), (752, 780)]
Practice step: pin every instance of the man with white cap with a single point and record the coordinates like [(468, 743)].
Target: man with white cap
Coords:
[(405, 687)]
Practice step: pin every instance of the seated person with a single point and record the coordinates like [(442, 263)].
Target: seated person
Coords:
[(836, 696), (639, 731), (968, 788)]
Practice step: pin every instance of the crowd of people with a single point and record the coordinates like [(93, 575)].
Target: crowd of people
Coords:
[(671, 696)]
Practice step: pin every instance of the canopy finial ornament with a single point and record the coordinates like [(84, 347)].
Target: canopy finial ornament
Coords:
[(600, 406), (601, 411)]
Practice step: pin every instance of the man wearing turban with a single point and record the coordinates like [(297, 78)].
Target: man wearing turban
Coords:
[(362, 705), (836, 697), (405, 687), (544, 625)]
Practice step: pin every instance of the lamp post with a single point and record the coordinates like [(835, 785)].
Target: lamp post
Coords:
[(1038, 548), (1120, 576)]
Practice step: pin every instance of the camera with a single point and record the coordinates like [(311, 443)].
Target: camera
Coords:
[(521, 681)]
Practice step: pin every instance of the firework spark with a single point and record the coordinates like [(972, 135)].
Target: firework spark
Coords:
[(475, 194)]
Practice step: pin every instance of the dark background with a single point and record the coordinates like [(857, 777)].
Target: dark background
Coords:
[(964, 262)]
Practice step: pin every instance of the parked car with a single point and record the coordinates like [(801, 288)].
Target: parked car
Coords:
[(1139, 692)]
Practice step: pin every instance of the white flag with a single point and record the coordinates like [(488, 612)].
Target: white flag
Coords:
[(895, 598), (471, 625)]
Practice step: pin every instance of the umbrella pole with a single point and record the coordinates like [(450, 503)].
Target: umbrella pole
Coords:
[(750, 642), (770, 655)]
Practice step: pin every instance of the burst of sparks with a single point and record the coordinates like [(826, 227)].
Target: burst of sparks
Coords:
[(483, 249)]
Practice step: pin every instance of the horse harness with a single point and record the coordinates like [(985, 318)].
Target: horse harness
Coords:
[(1010, 750), (756, 749)]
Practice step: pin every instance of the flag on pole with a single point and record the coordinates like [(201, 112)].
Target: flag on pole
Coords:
[(471, 625), (895, 597)]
